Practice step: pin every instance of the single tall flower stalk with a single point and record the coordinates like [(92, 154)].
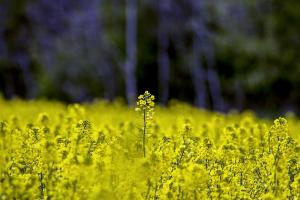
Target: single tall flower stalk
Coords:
[(145, 105)]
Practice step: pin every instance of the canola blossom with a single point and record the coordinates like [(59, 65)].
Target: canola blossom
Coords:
[(145, 105), (102, 150)]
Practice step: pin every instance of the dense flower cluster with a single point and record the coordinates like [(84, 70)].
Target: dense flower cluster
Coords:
[(145, 104), (52, 151)]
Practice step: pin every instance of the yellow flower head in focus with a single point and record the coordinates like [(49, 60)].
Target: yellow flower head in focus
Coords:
[(146, 103)]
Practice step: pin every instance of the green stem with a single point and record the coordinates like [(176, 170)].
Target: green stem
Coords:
[(42, 186), (144, 133)]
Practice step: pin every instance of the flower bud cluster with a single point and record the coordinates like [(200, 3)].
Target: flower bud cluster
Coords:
[(145, 104)]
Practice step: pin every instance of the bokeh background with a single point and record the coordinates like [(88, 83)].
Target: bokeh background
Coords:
[(215, 54)]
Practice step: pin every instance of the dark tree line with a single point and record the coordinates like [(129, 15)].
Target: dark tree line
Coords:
[(216, 54)]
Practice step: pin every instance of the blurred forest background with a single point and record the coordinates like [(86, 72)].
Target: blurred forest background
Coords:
[(215, 54)]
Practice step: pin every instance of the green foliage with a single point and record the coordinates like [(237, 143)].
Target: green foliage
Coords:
[(52, 151)]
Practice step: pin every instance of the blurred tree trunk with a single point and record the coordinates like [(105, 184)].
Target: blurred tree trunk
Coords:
[(197, 69), (163, 44), (198, 74), (131, 45), (104, 65), (215, 89), (204, 38), (213, 79), (17, 38)]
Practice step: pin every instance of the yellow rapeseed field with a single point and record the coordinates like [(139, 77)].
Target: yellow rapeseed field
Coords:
[(49, 150)]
